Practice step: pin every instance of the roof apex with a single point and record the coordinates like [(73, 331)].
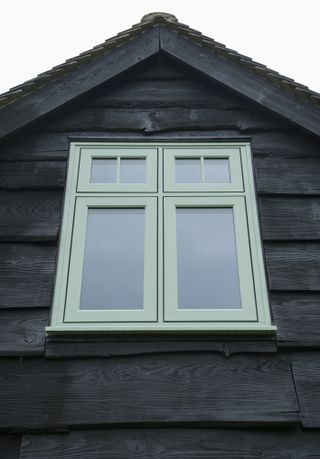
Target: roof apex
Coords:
[(158, 16)]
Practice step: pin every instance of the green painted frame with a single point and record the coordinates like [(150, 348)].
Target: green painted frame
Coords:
[(231, 153), (248, 311), (149, 311), (101, 152), (262, 324)]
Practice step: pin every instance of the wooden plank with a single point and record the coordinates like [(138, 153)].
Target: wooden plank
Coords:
[(37, 175), (82, 79), (155, 93), (292, 142), (174, 443), (306, 372), (297, 316), (290, 218), (241, 80), (297, 175), (22, 331), (70, 346), (10, 446), (158, 67), (166, 388), (161, 119), (294, 266), (30, 215), (35, 146), (26, 275)]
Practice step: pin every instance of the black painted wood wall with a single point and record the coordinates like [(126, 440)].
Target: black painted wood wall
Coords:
[(159, 396)]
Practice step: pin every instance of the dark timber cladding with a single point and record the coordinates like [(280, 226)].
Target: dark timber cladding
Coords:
[(152, 395)]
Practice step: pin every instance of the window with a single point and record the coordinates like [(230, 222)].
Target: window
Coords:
[(160, 237)]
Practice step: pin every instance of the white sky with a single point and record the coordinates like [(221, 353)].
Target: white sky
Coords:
[(35, 35)]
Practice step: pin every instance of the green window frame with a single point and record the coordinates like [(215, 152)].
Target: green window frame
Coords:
[(159, 196)]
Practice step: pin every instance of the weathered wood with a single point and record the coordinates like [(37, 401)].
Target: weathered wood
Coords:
[(290, 218), (158, 92), (174, 443), (158, 67), (26, 275), (10, 446), (167, 388), (39, 175), (286, 174), (293, 143), (297, 316), (161, 119), (306, 372), (22, 331), (30, 215), (66, 88), (294, 266), (35, 146), (241, 80), (69, 346)]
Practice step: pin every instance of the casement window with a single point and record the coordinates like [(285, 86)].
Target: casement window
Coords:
[(160, 237)]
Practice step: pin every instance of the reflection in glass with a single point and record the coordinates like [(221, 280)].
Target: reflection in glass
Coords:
[(207, 260), (103, 170), (133, 170), (113, 268), (216, 170), (188, 170)]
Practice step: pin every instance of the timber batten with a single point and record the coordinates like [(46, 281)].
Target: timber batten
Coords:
[(198, 395)]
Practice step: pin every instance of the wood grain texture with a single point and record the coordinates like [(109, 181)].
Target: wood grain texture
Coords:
[(306, 372), (83, 78), (22, 331), (290, 218), (37, 175), (30, 215), (26, 275), (70, 346), (287, 174), (241, 80), (174, 443), (292, 142), (10, 446), (293, 266), (167, 388), (159, 92), (297, 316), (162, 120), (158, 67), (37, 145)]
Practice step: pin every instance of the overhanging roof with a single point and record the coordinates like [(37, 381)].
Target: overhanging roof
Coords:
[(159, 32)]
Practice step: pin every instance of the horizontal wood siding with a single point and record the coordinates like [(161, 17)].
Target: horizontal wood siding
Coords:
[(26, 274), (109, 382), (204, 443), (192, 387), (306, 372)]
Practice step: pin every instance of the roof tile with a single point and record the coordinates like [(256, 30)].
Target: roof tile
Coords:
[(148, 21)]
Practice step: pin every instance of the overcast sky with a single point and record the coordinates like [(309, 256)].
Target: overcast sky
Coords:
[(35, 35)]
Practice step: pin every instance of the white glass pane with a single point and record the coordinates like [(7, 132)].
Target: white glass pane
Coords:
[(188, 170), (207, 260), (133, 170), (113, 270), (103, 170), (217, 170)]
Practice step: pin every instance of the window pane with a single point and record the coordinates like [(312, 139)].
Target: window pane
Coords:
[(188, 170), (207, 260), (113, 270), (216, 170), (133, 170), (103, 170)]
